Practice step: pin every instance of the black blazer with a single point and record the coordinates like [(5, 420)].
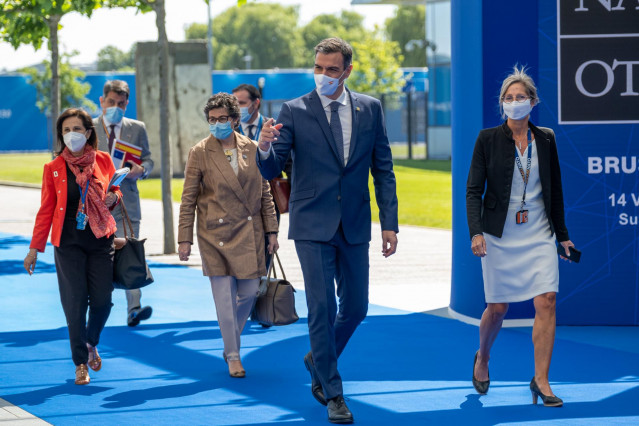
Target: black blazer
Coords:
[(491, 169)]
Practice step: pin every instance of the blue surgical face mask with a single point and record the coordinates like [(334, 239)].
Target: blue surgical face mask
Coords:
[(114, 114), (221, 130), (245, 115)]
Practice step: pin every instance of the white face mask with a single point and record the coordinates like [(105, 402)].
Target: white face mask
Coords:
[(75, 141), (517, 110), (326, 85)]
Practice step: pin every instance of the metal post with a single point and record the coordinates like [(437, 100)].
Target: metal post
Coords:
[(409, 113), (209, 42), (426, 117)]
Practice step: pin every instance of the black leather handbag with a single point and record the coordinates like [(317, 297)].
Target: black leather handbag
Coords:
[(275, 304), (130, 270)]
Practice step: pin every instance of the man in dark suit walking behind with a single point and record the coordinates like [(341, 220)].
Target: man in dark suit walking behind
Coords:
[(111, 127), (335, 136)]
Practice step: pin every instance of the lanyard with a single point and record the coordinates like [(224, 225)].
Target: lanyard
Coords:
[(106, 131), (521, 171), (256, 136), (83, 194)]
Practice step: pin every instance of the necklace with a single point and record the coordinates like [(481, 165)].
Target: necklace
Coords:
[(229, 154)]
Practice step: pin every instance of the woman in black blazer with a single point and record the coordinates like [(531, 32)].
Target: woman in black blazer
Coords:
[(513, 228)]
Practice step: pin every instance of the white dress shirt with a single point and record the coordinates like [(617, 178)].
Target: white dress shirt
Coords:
[(245, 126), (117, 129)]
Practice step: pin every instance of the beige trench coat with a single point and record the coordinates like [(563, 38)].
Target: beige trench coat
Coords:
[(233, 212)]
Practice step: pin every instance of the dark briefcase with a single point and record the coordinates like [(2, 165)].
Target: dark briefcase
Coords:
[(275, 304)]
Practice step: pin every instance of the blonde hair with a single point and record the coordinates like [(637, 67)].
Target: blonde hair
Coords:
[(518, 76)]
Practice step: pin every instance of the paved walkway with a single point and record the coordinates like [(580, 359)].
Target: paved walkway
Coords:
[(416, 278)]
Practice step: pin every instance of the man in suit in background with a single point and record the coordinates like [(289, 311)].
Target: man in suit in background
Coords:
[(335, 136), (250, 100), (110, 127)]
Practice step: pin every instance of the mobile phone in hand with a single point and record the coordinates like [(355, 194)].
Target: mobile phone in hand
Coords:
[(575, 255)]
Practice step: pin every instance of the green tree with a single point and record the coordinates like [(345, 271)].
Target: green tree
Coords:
[(376, 67), (409, 23), (110, 58), (73, 90), (347, 25), (195, 31), (266, 32), (32, 21)]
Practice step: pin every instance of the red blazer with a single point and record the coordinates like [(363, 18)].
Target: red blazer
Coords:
[(54, 197)]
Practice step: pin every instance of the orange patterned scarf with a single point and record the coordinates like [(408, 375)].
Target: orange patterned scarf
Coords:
[(100, 219)]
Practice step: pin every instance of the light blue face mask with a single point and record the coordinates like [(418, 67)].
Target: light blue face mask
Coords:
[(221, 130), (114, 114), (245, 114)]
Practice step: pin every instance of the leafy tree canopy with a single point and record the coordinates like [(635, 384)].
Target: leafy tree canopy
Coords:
[(27, 21), (110, 58), (376, 66), (409, 23), (266, 32), (73, 90)]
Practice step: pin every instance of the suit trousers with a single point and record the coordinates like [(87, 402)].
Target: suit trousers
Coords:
[(84, 265), (133, 297), (234, 301), (331, 323)]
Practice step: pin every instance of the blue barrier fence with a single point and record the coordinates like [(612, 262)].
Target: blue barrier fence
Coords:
[(24, 128)]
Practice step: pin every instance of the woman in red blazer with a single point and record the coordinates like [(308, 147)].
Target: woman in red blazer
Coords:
[(75, 207)]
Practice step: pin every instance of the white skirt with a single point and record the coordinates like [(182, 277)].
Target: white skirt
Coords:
[(523, 263)]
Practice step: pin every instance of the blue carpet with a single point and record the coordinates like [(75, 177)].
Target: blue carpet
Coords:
[(399, 368)]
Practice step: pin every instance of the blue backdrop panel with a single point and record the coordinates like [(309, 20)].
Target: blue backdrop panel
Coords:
[(22, 126), (597, 156)]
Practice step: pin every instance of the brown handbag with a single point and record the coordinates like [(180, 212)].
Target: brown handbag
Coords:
[(281, 190), (275, 304)]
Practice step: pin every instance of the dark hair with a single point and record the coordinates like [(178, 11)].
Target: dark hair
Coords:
[(253, 91), (223, 100), (87, 122), (120, 87), (336, 45)]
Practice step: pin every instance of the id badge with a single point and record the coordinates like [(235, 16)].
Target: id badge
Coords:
[(521, 217), (81, 220)]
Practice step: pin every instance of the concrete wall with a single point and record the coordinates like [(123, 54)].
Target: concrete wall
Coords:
[(190, 87)]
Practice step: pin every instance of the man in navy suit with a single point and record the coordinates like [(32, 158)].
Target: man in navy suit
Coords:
[(335, 137)]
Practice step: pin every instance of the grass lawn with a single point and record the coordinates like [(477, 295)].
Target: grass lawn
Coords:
[(424, 187)]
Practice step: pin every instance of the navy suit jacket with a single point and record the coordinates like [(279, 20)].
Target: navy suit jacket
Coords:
[(325, 192)]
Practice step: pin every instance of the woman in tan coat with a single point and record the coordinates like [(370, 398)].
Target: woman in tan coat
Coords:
[(235, 212)]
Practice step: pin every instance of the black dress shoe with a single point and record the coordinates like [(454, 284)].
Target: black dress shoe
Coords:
[(138, 314), (549, 400), (316, 386), (480, 387), (338, 412)]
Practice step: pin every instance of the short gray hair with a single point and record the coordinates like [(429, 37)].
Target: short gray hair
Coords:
[(518, 76)]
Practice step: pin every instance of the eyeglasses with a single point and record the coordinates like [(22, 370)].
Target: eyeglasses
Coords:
[(519, 98), (221, 119)]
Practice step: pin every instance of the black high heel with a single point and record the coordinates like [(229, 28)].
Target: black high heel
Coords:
[(480, 387), (549, 401)]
